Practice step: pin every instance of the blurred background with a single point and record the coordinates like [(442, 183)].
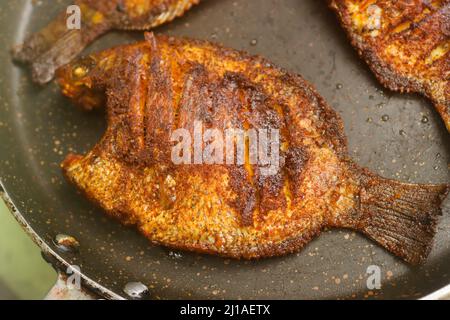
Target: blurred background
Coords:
[(23, 272)]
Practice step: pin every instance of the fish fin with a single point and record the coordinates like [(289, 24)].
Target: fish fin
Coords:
[(401, 217), (40, 42), (64, 50), (54, 46)]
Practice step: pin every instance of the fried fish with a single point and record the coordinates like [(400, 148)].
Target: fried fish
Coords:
[(157, 86), (406, 43), (56, 44)]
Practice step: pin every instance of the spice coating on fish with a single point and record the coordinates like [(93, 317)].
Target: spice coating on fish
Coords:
[(405, 43), (154, 87), (56, 44)]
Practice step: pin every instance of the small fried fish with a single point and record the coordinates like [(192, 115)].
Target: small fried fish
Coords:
[(158, 86), (56, 44), (406, 43)]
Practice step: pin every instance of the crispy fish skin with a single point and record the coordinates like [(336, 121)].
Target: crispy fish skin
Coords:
[(406, 44), (156, 86), (56, 45)]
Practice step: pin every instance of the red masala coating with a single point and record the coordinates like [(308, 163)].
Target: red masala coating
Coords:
[(162, 84), (405, 42)]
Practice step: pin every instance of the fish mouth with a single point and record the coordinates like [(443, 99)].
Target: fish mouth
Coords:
[(70, 87)]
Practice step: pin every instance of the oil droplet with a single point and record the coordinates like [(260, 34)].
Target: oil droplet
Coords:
[(381, 105), (425, 119), (339, 86), (254, 42), (385, 118), (65, 243), (175, 255), (369, 120), (436, 167), (136, 290)]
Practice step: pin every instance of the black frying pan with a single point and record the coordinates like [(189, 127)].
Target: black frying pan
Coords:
[(398, 136)]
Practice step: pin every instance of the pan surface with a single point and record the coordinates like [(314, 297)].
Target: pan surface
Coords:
[(397, 136)]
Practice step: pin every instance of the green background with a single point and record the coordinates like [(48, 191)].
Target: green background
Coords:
[(23, 272)]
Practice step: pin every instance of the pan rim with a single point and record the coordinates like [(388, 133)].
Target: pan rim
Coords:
[(56, 261)]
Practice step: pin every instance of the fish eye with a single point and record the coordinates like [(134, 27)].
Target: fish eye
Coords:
[(82, 68), (79, 71)]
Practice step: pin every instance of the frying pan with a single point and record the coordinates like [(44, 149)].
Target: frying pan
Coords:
[(397, 136)]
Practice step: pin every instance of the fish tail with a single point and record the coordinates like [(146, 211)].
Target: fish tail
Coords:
[(54, 46), (176, 10), (399, 216)]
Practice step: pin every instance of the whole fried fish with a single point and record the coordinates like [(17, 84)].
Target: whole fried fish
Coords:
[(56, 44), (155, 87), (406, 44)]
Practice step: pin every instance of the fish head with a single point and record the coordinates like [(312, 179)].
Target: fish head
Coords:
[(78, 82)]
